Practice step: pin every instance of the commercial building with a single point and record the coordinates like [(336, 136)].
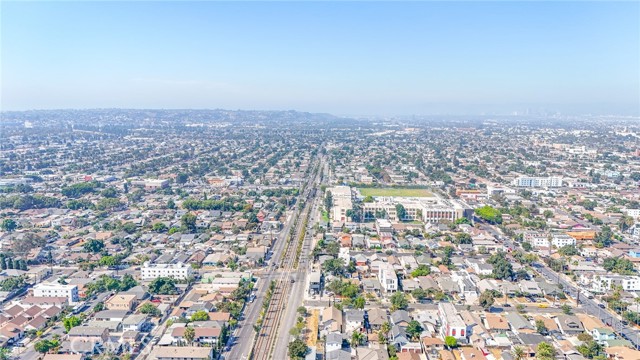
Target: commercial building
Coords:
[(428, 209)]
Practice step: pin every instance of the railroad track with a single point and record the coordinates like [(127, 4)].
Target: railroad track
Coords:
[(268, 333)]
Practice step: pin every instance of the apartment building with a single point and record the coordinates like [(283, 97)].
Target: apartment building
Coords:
[(341, 203), (56, 290), (388, 278), (535, 182), (604, 283), (177, 271), (452, 323)]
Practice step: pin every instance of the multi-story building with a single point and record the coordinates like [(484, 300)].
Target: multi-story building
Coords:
[(528, 181), (388, 278), (428, 209), (541, 240), (452, 323), (177, 271), (56, 290), (604, 283), (341, 203)]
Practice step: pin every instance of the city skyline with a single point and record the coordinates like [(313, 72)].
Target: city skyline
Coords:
[(339, 58)]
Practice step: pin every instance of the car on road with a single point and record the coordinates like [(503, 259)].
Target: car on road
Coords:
[(602, 306), (292, 281)]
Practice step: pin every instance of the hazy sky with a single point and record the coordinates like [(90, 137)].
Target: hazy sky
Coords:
[(344, 58)]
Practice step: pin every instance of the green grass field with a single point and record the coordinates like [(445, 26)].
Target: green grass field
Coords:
[(395, 192)]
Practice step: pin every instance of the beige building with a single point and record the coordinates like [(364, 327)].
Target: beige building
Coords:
[(121, 302)]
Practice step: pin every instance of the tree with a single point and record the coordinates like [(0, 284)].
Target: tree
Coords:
[(518, 353), (527, 246), (189, 222), (4, 354), (547, 214), (159, 227), (463, 238), (297, 349), (163, 286), (302, 311), (71, 322), (171, 204), (486, 299), (399, 301), (93, 246), (108, 260), (43, 346), (541, 328), (149, 309), (566, 309), (359, 303), (604, 238), (401, 212), (200, 315), (189, 334), (109, 192), (8, 225), (419, 294), (590, 349), (545, 351), (450, 342), (328, 201), (489, 214), (334, 266), (357, 338), (182, 178), (414, 329), (98, 307)]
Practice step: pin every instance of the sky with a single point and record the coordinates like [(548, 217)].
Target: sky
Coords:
[(345, 58)]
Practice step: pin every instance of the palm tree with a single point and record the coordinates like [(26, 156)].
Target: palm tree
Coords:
[(189, 334), (518, 353), (357, 338)]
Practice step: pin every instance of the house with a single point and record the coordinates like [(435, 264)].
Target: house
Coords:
[(354, 320), (332, 320), (203, 335), (601, 335), (333, 342), (569, 325), (400, 318), (431, 345), (181, 353), (398, 337), (365, 353), (315, 282), (111, 315), (376, 317), (121, 302), (135, 322)]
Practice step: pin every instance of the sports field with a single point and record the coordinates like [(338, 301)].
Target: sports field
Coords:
[(395, 192)]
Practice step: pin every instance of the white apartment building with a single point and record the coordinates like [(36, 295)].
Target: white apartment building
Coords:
[(541, 240), (55, 289), (388, 278), (604, 283), (528, 181), (177, 271), (634, 213)]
